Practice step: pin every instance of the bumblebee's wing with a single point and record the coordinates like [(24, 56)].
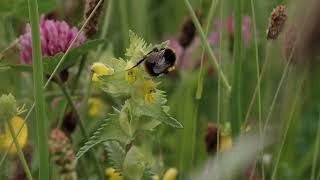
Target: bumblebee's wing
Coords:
[(161, 67)]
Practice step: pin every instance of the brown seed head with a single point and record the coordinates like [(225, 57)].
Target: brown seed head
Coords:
[(188, 31), (277, 21), (211, 138), (62, 153), (92, 27)]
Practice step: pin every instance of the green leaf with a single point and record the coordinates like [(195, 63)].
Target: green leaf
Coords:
[(137, 49), (155, 111), (108, 130), (116, 155), (49, 63), (134, 164), (124, 120)]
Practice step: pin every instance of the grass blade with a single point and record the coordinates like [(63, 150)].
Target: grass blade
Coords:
[(41, 121)]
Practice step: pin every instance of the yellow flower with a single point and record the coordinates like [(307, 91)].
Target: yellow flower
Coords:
[(149, 91), (113, 175), (100, 69), (225, 142), (170, 174), (131, 75), (95, 106), (6, 138)]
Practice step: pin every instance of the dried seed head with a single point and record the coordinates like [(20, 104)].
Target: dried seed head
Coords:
[(188, 31), (277, 20), (211, 138), (69, 122), (92, 27), (63, 154)]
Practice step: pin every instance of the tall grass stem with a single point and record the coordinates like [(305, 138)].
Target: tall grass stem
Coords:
[(41, 120)]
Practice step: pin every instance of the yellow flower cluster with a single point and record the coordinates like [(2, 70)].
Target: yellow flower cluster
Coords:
[(131, 75), (95, 107), (6, 138), (149, 91), (100, 69), (113, 175)]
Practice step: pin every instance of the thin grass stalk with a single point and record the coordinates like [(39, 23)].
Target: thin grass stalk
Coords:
[(41, 120), (236, 114), (263, 70), (19, 151), (106, 20), (256, 52), (295, 102), (219, 89), (206, 44), (124, 22), (53, 74), (316, 153), (201, 73), (106, 23)]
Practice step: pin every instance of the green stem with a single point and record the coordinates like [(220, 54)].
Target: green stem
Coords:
[(257, 74), (124, 22), (316, 152), (236, 115), (41, 121), (206, 44), (19, 151), (82, 126), (201, 73)]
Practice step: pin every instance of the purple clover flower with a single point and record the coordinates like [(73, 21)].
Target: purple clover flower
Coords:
[(56, 36)]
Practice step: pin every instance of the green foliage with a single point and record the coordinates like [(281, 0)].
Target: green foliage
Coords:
[(108, 130), (134, 164), (116, 154), (137, 48)]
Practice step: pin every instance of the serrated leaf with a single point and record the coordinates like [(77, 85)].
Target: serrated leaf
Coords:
[(138, 48), (148, 174), (116, 155), (108, 130), (49, 63), (134, 164), (115, 84), (124, 120), (155, 111)]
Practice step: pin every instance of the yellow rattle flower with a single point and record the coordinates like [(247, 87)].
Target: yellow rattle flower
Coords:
[(113, 175), (100, 69), (6, 138), (149, 91), (170, 174), (95, 106)]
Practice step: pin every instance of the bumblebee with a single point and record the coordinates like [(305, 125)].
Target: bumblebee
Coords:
[(158, 61)]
